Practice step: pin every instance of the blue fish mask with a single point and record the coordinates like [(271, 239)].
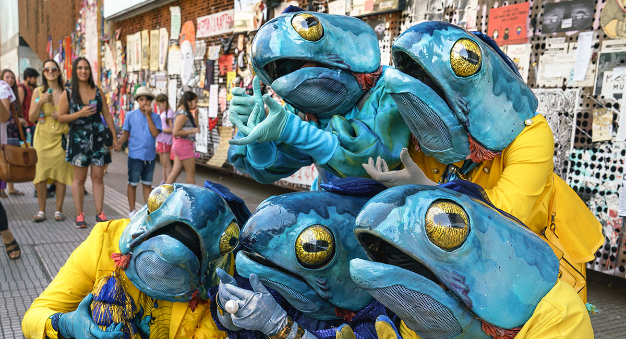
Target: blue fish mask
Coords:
[(177, 240), (337, 45), (448, 73), (440, 260), (300, 245)]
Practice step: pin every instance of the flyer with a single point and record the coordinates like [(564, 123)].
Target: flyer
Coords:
[(507, 25)]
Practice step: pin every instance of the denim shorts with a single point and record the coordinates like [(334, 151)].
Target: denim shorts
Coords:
[(140, 170)]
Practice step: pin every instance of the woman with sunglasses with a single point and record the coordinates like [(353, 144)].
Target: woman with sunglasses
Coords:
[(13, 132), (89, 141), (48, 143)]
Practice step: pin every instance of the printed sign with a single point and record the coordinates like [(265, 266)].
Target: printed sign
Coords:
[(214, 24), (507, 25)]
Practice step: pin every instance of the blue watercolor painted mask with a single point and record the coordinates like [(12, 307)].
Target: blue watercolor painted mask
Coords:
[(443, 261), (177, 241), (337, 46), (300, 245), (464, 72)]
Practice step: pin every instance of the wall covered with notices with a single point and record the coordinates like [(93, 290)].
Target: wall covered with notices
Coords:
[(571, 53)]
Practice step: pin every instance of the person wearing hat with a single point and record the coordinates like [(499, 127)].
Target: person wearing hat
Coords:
[(141, 127)]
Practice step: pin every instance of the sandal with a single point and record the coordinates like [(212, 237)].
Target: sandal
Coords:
[(3, 194), (16, 192), (39, 217), (58, 216), (14, 248)]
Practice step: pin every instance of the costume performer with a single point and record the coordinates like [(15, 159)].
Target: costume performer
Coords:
[(326, 67), (147, 277), (300, 245), (451, 266), (475, 119)]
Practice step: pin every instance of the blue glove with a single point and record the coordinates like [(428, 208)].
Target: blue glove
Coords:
[(80, 325), (223, 296), (269, 129), (257, 309), (242, 105)]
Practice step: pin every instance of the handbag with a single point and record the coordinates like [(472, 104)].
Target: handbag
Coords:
[(17, 164)]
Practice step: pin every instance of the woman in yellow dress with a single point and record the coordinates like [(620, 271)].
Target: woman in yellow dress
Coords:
[(51, 165)]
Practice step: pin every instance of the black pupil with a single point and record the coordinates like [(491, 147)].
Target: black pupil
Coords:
[(309, 22), (233, 241), (316, 246), (470, 56), (449, 220)]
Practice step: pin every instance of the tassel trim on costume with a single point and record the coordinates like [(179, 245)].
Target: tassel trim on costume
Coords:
[(479, 153), (368, 80), (311, 117), (112, 305), (344, 314), (499, 333), (121, 260)]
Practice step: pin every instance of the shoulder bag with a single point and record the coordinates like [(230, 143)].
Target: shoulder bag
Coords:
[(17, 164)]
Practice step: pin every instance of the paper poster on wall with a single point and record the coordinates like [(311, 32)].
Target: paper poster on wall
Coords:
[(226, 64), (187, 47), (200, 50), (213, 93), (214, 52), (557, 64), (337, 7), (613, 19), (230, 78), (164, 43), (614, 84), (119, 53), (221, 97), (221, 153), (507, 25), (145, 49), (602, 129), (130, 52), (172, 92), (215, 24), (465, 15), (520, 54), (249, 15), (613, 55), (138, 53), (202, 138), (175, 18), (567, 16), (173, 60), (154, 50)]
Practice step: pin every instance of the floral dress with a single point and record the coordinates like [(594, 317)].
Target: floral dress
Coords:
[(86, 138)]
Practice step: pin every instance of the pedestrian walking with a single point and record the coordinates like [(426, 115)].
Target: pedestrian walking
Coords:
[(164, 139), (12, 126), (25, 93), (51, 164), (89, 141), (6, 98), (141, 128), (185, 129)]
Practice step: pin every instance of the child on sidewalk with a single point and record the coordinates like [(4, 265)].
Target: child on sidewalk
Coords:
[(141, 128)]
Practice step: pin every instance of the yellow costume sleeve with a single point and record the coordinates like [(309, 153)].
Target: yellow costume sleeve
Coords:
[(528, 162), (74, 281), (559, 315)]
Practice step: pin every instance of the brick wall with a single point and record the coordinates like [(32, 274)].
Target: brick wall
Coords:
[(160, 17), (38, 19)]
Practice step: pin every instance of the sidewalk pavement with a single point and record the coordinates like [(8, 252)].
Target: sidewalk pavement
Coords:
[(47, 245)]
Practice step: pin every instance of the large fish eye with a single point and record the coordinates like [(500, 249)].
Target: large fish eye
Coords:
[(315, 246), (158, 196), (465, 57), (447, 225), (308, 26), (230, 238)]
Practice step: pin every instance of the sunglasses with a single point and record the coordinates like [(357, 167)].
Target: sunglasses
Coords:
[(53, 69)]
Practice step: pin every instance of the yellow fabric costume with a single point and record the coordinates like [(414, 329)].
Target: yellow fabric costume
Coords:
[(521, 182), (91, 261), (51, 163), (559, 315)]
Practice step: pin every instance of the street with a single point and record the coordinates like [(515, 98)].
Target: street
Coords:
[(46, 245)]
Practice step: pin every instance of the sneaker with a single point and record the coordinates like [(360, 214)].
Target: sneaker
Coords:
[(80, 221), (101, 217), (132, 214)]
